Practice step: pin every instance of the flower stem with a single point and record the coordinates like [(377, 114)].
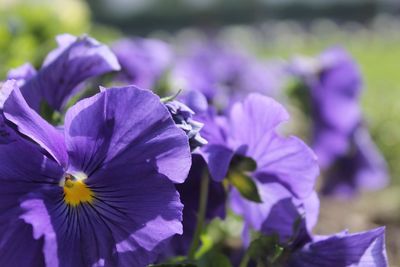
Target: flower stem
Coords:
[(245, 259), (201, 215)]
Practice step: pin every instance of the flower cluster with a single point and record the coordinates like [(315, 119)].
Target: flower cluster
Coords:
[(123, 177)]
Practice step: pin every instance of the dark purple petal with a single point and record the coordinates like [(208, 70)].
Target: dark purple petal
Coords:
[(32, 125), (365, 249), (126, 125), (24, 174), (18, 247), (67, 67), (218, 159)]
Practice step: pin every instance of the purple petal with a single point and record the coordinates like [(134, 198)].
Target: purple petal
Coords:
[(218, 159), (5, 90), (65, 69), (32, 125), (362, 168), (373, 172), (278, 213), (22, 73), (129, 126), (365, 249), (18, 247), (24, 173), (337, 94), (289, 161), (254, 120)]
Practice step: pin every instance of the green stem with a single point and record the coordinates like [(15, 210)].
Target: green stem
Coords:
[(201, 215), (245, 259)]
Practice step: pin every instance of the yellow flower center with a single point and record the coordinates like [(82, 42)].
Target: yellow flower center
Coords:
[(76, 191)]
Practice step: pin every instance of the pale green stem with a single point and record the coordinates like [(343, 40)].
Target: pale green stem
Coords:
[(201, 216)]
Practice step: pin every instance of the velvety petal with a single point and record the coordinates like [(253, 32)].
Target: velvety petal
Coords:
[(365, 249), (218, 159), (125, 125), (278, 213), (65, 69), (5, 90), (18, 247), (22, 73), (289, 161), (32, 125), (254, 120), (24, 174)]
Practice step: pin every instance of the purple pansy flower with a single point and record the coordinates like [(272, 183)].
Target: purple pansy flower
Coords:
[(250, 131), (143, 61), (286, 168), (99, 192), (340, 138), (64, 69)]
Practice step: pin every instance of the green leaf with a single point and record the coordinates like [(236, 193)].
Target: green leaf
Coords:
[(266, 249), (179, 261), (49, 114), (206, 245), (174, 265), (247, 164), (214, 259), (243, 164), (245, 185)]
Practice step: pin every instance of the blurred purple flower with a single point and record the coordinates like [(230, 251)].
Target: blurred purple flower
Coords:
[(143, 61), (100, 192), (225, 75), (340, 138), (64, 69)]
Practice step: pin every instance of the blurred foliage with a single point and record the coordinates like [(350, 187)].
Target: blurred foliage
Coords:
[(28, 28)]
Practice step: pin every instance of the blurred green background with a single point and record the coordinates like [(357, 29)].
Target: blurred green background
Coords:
[(272, 29)]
